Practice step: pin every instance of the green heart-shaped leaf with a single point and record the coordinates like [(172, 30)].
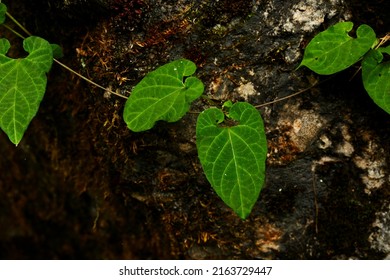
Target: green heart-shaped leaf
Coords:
[(333, 50), (233, 157), (164, 94), (22, 85), (376, 77)]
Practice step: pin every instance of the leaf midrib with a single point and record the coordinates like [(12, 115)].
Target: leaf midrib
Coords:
[(229, 130), (158, 100)]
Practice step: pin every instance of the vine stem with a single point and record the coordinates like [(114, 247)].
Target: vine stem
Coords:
[(88, 80), (382, 41), (13, 31), (18, 24), (276, 100), (291, 95), (57, 61)]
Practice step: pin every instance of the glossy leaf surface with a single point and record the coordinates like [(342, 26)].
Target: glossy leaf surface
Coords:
[(164, 94), (233, 155), (22, 85), (333, 50), (376, 77)]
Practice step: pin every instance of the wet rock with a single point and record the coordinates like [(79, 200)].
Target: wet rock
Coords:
[(380, 237)]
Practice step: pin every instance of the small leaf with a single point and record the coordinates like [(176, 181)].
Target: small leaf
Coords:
[(164, 94), (227, 105), (57, 51), (22, 85), (376, 77), (3, 10), (233, 157), (333, 50), (385, 50)]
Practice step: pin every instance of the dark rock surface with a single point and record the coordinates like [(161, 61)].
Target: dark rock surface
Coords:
[(81, 185)]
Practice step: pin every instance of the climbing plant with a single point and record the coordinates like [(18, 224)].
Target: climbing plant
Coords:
[(22, 85), (232, 156), (23, 80), (334, 50), (231, 140)]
